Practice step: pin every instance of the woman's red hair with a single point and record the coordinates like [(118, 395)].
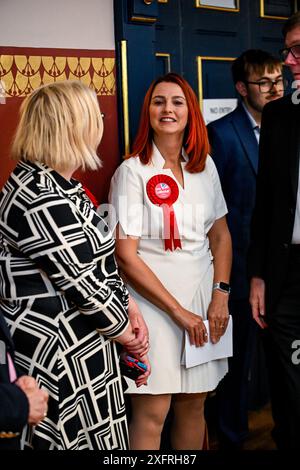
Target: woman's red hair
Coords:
[(195, 142)]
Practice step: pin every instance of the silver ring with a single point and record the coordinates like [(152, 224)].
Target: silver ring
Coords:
[(205, 334)]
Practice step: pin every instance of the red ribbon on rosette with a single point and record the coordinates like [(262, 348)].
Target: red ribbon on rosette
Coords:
[(163, 191)]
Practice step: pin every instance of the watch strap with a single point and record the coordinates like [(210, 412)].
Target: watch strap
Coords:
[(222, 286)]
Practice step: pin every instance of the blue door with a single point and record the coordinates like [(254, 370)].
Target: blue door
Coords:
[(196, 38)]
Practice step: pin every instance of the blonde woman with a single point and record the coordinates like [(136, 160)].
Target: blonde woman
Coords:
[(60, 290)]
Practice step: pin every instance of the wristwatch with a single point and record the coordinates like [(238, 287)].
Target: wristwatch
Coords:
[(222, 286)]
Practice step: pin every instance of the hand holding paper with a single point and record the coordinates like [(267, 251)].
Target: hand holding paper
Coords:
[(194, 356)]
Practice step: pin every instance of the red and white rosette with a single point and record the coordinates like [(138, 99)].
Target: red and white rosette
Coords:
[(163, 191)]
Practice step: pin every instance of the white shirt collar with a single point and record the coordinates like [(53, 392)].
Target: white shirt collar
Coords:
[(255, 126), (252, 120), (158, 160)]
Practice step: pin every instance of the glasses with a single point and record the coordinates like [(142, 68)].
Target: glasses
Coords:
[(294, 50), (265, 86)]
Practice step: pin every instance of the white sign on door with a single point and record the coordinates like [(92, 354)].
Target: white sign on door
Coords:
[(216, 108)]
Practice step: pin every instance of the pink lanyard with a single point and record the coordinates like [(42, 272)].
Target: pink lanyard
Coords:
[(11, 369)]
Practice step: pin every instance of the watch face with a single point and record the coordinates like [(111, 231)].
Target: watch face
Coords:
[(225, 286)]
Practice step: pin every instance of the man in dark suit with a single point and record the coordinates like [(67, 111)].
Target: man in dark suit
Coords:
[(257, 76), (21, 401), (274, 258)]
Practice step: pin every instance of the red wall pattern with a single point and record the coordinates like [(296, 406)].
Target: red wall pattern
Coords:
[(24, 69)]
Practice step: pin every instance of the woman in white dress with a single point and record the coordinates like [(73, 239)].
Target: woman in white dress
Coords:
[(172, 245)]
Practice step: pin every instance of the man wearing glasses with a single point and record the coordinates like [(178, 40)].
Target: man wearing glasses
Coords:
[(274, 257), (257, 76)]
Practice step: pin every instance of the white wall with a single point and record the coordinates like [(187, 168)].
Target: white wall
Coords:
[(66, 24)]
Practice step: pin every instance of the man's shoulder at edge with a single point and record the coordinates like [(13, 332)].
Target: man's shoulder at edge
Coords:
[(286, 101)]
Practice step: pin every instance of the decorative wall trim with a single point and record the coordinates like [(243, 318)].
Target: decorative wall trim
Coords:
[(273, 17), (143, 19), (125, 95), (145, 12), (21, 73), (200, 59), (167, 58)]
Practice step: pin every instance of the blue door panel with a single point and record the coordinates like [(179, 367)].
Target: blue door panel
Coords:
[(198, 43)]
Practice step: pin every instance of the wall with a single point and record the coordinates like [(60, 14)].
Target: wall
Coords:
[(73, 24), (41, 42)]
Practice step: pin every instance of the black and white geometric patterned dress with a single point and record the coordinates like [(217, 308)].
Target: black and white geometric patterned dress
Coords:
[(64, 302)]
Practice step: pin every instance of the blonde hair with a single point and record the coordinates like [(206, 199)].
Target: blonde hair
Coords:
[(61, 126)]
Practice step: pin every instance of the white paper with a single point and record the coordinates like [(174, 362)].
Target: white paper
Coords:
[(209, 352)]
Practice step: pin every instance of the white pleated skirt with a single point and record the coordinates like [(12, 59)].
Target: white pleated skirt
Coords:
[(168, 376)]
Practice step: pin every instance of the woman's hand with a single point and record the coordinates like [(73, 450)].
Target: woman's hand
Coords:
[(218, 315), (142, 379), (37, 399), (139, 346), (193, 324), (220, 245)]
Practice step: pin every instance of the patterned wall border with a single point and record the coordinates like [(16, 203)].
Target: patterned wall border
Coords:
[(21, 73)]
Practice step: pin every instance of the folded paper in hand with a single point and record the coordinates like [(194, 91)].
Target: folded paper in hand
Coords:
[(193, 356)]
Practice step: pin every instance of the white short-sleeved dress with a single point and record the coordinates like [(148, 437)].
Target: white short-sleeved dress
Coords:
[(187, 273)]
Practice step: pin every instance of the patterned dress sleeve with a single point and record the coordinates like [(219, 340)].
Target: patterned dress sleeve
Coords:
[(127, 200), (51, 234)]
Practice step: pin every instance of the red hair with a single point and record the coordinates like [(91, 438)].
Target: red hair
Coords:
[(195, 143)]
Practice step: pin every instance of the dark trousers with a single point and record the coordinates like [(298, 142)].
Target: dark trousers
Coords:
[(10, 444), (232, 392), (282, 344)]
